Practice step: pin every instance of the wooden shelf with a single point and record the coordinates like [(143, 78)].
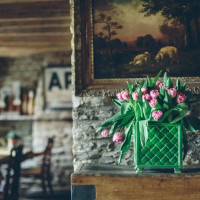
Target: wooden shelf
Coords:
[(16, 117), (44, 116), (111, 182)]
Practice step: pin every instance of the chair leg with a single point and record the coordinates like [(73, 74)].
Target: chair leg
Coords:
[(44, 186), (49, 184)]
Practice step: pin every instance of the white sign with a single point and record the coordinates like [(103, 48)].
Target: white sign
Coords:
[(58, 88)]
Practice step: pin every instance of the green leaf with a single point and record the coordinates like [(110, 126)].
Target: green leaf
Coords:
[(166, 106), (187, 125), (146, 110), (158, 107), (168, 112), (130, 87), (182, 113), (157, 77), (114, 126), (178, 84), (141, 111), (109, 121), (143, 124), (191, 123), (127, 141), (169, 83), (125, 107), (127, 118), (117, 102), (170, 117), (165, 78), (150, 82), (138, 113), (183, 87), (162, 91), (146, 84), (167, 99)]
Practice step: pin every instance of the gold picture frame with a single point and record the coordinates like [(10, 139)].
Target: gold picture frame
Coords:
[(84, 81)]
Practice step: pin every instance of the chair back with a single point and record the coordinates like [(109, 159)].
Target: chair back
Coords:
[(11, 190), (46, 162)]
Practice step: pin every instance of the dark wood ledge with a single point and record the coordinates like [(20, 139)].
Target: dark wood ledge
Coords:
[(123, 183)]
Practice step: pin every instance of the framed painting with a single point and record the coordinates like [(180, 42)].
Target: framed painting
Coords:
[(117, 40)]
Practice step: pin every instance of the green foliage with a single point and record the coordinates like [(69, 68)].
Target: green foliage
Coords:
[(178, 84), (165, 78), (127, 141), (157, 77), (169, 83), (143, 131)]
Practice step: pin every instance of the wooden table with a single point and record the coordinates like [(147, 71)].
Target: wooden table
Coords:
[(108, 182)]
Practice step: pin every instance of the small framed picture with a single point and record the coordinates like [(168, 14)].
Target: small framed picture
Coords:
[(57, 87)]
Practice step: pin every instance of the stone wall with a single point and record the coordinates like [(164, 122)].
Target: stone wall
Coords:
[(88, 145)]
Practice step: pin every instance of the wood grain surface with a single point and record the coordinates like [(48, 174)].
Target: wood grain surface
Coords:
[(113, 186)]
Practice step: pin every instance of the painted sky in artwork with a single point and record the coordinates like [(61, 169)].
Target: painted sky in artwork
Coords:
[(127, 14)]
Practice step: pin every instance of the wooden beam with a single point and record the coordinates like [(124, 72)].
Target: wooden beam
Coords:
[(35, 44), (35, 22), (17, 20), (35, 4), (18, 52), (34, 37), (22, 1), (34, 9), (35, 29)]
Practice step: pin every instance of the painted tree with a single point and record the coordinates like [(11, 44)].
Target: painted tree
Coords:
[(109, 29), (173, 33), (185, 11)]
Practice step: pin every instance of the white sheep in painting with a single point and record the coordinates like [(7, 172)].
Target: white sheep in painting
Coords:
[(141, 59), (167, 52)]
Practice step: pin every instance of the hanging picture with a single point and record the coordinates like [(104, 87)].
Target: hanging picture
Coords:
[(120, 40)]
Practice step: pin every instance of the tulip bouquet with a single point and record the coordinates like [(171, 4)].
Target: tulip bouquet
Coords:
[(150, 101)]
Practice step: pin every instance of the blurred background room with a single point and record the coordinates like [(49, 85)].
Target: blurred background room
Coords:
[(35, 95)]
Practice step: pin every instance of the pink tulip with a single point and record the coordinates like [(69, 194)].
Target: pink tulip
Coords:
[(146, 96), (157, 114), (125, 95), (119, 96), (118, 137), (166, 90), (144, 90), (135, 95), (104, 133), (161, 85), (154, 93), (153, 103), (158, 85), (172, 92), (180, 97)]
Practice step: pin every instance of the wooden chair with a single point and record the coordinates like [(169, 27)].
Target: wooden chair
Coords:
[(10, 186), (44, 171)]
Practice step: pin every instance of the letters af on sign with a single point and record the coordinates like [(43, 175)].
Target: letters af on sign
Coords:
[(58, 89)]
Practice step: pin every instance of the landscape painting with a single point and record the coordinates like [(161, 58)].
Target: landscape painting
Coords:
[(135, 38)]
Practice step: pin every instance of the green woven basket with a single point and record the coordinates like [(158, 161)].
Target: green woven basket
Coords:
[(163, 149)]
